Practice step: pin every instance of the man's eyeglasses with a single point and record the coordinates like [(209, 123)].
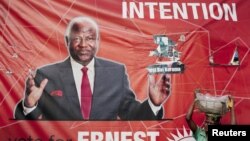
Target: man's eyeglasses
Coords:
[(88, 40)]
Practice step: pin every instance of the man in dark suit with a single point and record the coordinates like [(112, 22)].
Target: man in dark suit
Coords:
[(54, 93)]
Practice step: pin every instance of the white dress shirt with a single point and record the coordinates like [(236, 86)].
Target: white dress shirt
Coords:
[(77, 73)]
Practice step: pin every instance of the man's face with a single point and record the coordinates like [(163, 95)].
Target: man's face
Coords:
[(82, 42)]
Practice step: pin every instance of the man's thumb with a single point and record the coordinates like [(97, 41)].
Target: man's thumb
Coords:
[(43, 83), (151, 80)]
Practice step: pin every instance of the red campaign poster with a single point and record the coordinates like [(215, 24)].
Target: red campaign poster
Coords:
[(210, 40)]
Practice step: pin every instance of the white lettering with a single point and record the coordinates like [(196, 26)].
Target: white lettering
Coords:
[(231, 133), (82, 136), (214, 132), (117, 136), (194, 9), (96, 136), (213, 7), (151, 9), (230, 11), (244, 133), (204, 9), (124, 10), (139, 11), (125, 136), (182, 11), (164, 10), (153, 135), (139, 135), (167, 10), (112, 136)]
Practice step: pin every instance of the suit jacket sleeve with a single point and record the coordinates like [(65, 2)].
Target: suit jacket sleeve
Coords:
[(19, 111), (131, 109)]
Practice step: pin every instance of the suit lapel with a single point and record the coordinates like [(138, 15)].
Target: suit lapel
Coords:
[(68, 82)]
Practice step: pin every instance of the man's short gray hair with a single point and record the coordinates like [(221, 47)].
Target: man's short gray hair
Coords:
[(77, 20)]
